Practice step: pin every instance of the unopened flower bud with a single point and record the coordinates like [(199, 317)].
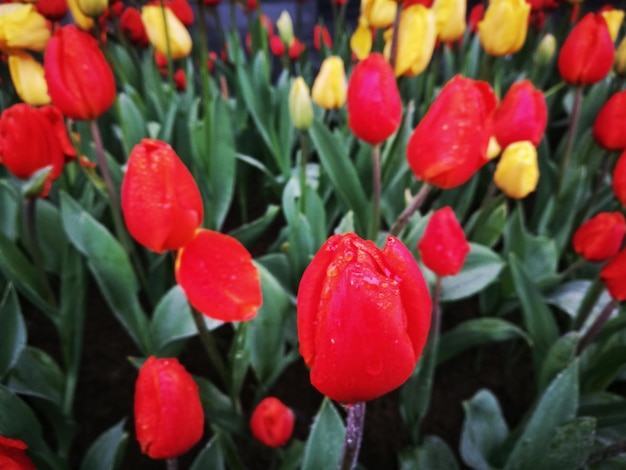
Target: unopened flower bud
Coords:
[(620, 59), (546, 50), (300, 105), (93, 8), (517, 172), (285, 27)]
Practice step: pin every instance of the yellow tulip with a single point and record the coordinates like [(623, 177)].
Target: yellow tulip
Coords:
[(503, 28), (285, 28), (379, 13), (361, 39), (82, 21), (517, 172), (28, 79), (21, 27), (93, 8), (179, 38), (300, 106), (416, 41), (330, 86), (614, 20), (450, 19), (620, 58)]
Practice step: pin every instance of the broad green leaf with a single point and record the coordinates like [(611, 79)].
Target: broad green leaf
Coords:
[(570, 295), (556, 406), (132, 122), (107, 452), (111, 268), (570, 446), (480, 269), (603, 363), (218, 408), (210, 457), (560, 355), (291, 457), (490, 226), (537, 317), (13, 330), (238, 358), (10, 201), (434, 453), (299, 229), (608, 411), (476, 332), (325, 442), (484, 430), (248, 233), (172, 320), (52, 238), (37, 374)]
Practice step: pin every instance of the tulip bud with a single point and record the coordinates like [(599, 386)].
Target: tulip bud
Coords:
[(619, 179), (73, 65), (600, 238), (218, 277), (81, 20), (179, 38), (620, 59), (21, 27), (443, 246), (517, 172), (132, 27), (300, 106), (13, 455), (363, 317), (93, 8), (450, 142), (169, 419), (450, 19), (587, 53), (372, 91), (379, 13), (272, 422), (53, 10), (330, 86), (361, 39), (285, 28), (28, 79), (609, 128), (321, 35), (612, 274), (416, 41), (180, 80), (614, 19), (545, 50), (503, 28), (522, 115), (160, 200)]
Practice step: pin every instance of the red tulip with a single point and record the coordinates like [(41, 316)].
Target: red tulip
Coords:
[(13, 455), (180, 80), (450, 143), (160, 200), (296, 48), (218, 276), (374, 104), (612, 274), (277, 46), (443, 246), (619, 179), (600, 238), (522, 115), (53, 10), (475, 16), (132, 27), (181, 9), (609, 128), (251, 5), (272, 422), (33, 138), (587, 53), (80, 81), (363, 317), (169, 419), (212, 3), (321, 34)]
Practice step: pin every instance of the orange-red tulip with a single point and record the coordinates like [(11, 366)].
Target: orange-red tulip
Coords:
[(13, 455), (609, 128), (612, 275), (443, 246), (272, 422), (600, 238)]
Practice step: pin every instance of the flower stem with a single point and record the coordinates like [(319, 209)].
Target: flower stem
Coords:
[(168, 45), (571, 136), (597, 325), (303, 161), (172, 464), (413, 206), (376, 186), (354, 435), (393, 53), (208, 341)]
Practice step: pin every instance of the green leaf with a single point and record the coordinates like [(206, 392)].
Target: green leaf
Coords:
[(218, 407), (107, 452), (238, 358), (37, 374), (13, 330), (52, 238), (603, 363), (560, 355), (491, 227), (570, 295), (172, 320), (265, 334), (556, 406), (484, 430), (434, 453), (111, 268), (209, 457), (248, 233), (132, 122), (291, 457), (480, 269), (475, 332), (570, 446), (537, 317), (10, 201), (342, 173), (325, 443)]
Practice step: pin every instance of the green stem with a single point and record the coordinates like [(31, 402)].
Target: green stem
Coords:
[(586, 306), (30, 221), (170, 64), (354, 435), (304, 155), (394, 37), (571, 137), (204, 53), (376, 187), (413, 206), (233, 16), (593, 331), (208, 341), (552, 90)]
